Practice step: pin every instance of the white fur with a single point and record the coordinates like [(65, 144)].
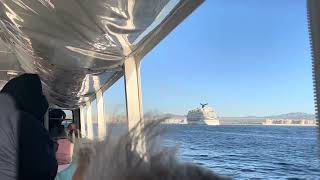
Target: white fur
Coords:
[(117, 159)]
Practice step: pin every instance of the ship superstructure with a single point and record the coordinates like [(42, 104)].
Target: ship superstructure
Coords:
[(203, 115)]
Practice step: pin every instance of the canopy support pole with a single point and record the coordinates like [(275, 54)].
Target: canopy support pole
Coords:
[(89, 120), (46, 120), (134, 100), (76, 117), (82, 122), (101, 115)]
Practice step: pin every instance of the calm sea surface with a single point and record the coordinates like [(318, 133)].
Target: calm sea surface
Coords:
[(250, 152)]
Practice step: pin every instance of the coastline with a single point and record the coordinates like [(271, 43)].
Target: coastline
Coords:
[(295, 125), (287, 125), (271, 125)]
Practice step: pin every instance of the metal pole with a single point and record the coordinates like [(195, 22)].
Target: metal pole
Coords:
[(83, 121), (89, 121), (46, 120), (134, 99), (101, 115), (76, 118)]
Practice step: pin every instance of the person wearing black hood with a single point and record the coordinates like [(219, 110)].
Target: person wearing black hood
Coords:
[(56, 116), (36, 156)]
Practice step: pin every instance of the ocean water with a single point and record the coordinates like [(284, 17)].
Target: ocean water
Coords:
[(250, 152)]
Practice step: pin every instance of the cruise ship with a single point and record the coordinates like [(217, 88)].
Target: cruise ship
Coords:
[(203, 115)]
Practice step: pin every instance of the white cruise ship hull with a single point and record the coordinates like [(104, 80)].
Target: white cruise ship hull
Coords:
[(197, 122), (210, 122)]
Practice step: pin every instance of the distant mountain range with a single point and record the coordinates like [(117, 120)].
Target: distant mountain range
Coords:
[(236, 120), (169, 115), (294, 115), (223, 120)]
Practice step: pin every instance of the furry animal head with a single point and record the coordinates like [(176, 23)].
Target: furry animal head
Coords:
[(119, 159)]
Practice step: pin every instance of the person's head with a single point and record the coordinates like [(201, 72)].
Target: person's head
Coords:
[(72, 127), (26, 90), (56, 116)]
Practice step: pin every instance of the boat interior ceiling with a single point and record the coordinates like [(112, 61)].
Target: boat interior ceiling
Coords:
[(79, 46)]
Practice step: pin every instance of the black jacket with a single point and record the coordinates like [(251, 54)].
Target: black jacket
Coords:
[(35, 150)]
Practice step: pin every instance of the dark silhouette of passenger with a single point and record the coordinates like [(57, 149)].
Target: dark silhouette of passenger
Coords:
[(56, 116), (64, 146), (36, 156)]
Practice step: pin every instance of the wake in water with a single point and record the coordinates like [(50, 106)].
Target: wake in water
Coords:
[(119, 159)]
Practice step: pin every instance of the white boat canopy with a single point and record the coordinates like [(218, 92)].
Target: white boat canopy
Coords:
[(81, 47)]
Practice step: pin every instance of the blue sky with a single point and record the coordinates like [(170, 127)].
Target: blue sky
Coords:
[(243, 57)]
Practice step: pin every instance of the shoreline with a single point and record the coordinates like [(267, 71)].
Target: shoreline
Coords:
[(295, 125), (266, 125)]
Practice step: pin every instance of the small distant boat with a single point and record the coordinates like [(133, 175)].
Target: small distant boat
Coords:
[(204, 115)]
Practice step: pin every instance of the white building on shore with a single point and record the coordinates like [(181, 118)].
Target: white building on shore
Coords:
[(290, 122)]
